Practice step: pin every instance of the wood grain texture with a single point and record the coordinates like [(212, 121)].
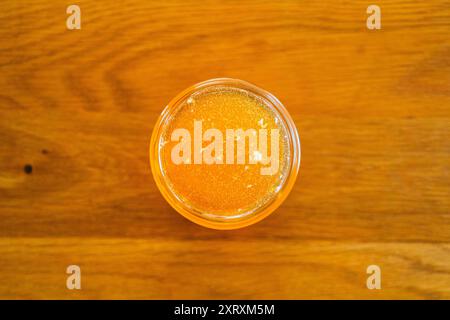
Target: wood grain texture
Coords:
[(372, 109)]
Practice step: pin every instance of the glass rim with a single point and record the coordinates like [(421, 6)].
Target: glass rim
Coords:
[(196, 215)]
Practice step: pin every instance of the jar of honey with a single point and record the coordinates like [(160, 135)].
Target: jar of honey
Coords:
[(225, 153)]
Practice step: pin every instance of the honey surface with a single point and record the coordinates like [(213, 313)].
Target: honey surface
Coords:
[(223, 190)]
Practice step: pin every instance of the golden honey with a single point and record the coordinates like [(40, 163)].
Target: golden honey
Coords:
[(223, 153)]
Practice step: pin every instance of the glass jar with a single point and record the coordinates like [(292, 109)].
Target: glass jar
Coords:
[(197, 181)]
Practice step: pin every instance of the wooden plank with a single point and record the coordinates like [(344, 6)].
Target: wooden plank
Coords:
[(267, 269)]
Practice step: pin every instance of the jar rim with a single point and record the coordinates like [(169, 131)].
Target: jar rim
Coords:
[(261, 212)]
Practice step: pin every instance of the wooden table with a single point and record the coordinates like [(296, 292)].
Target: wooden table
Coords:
[(77, 108)]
